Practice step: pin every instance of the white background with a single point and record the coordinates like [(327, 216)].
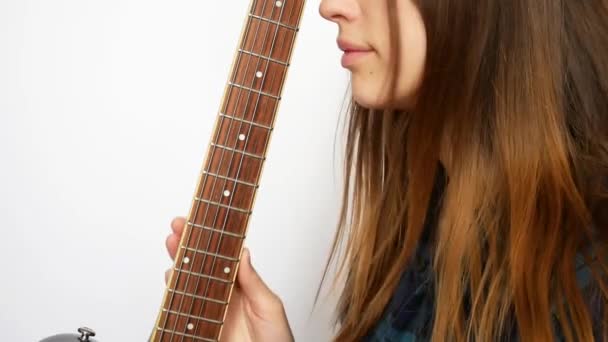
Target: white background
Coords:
[(106, 108)]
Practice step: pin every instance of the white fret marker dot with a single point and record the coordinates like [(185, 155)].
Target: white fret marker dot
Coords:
[(241, 137), (226, 193), (186, 260), (226, 270), (190, 326), (279, 3), (259, 74)]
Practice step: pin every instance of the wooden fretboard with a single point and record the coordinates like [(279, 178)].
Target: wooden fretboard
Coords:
[(195, 301)]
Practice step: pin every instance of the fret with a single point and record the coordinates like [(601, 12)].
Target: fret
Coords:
[(238, 151), (184, 282), (288, 13), (244, 211), (208, 320), (204, 303), (245, 169), (230, 179), (193, 316), (255, 124), (167, 331), (231, 222), (213, 216), (189, 323), (193, 259), (215, 255), (242, 137), (286, 64), (296, 29), (226, 192), (205, 276), (223, 232), (278, 98), (203, 298), (259, 74), (259, 109), (268, 39), (184, 298), (205, 244)]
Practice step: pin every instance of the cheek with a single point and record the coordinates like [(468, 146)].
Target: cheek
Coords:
[(413, 52), (370, 80)]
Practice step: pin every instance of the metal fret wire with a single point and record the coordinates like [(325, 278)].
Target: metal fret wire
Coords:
[(251, 127), (262, 82), (203, 184), (240, 91)]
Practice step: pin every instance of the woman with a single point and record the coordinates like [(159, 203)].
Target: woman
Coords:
[(478, 160)]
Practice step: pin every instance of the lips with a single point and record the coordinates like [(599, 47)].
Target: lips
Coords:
[(353, 52), (348, 46)]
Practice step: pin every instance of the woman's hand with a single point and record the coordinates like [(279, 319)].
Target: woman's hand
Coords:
[(255, 313)]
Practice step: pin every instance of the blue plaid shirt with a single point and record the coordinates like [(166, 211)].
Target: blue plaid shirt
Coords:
[(408, 316)]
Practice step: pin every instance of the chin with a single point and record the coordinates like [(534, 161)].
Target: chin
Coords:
[(366, 96), (367, 101), (372, 98)]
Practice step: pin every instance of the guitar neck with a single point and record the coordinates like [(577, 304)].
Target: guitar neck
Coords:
[(199, 289)]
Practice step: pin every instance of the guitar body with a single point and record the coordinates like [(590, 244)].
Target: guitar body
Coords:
[(85, 336), (66, 338), (198, 291)]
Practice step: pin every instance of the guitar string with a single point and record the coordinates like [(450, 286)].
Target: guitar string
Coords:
[(249, 130), (242, 156), (206, 178), (204, 186), (215, 180), (190, 227), (229, 167), (246, 142), (212, 192)]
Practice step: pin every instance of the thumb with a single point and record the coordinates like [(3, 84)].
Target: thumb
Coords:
[(261, 297)]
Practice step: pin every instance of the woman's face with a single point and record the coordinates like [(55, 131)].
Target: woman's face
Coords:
[(364, 36)]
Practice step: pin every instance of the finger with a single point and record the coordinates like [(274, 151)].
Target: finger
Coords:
[(177, 225), (261, 297), (172, 242)]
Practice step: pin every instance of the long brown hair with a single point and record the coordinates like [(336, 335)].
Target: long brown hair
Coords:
[(514, 100)]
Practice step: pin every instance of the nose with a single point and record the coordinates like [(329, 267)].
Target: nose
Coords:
[(338, 10)]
